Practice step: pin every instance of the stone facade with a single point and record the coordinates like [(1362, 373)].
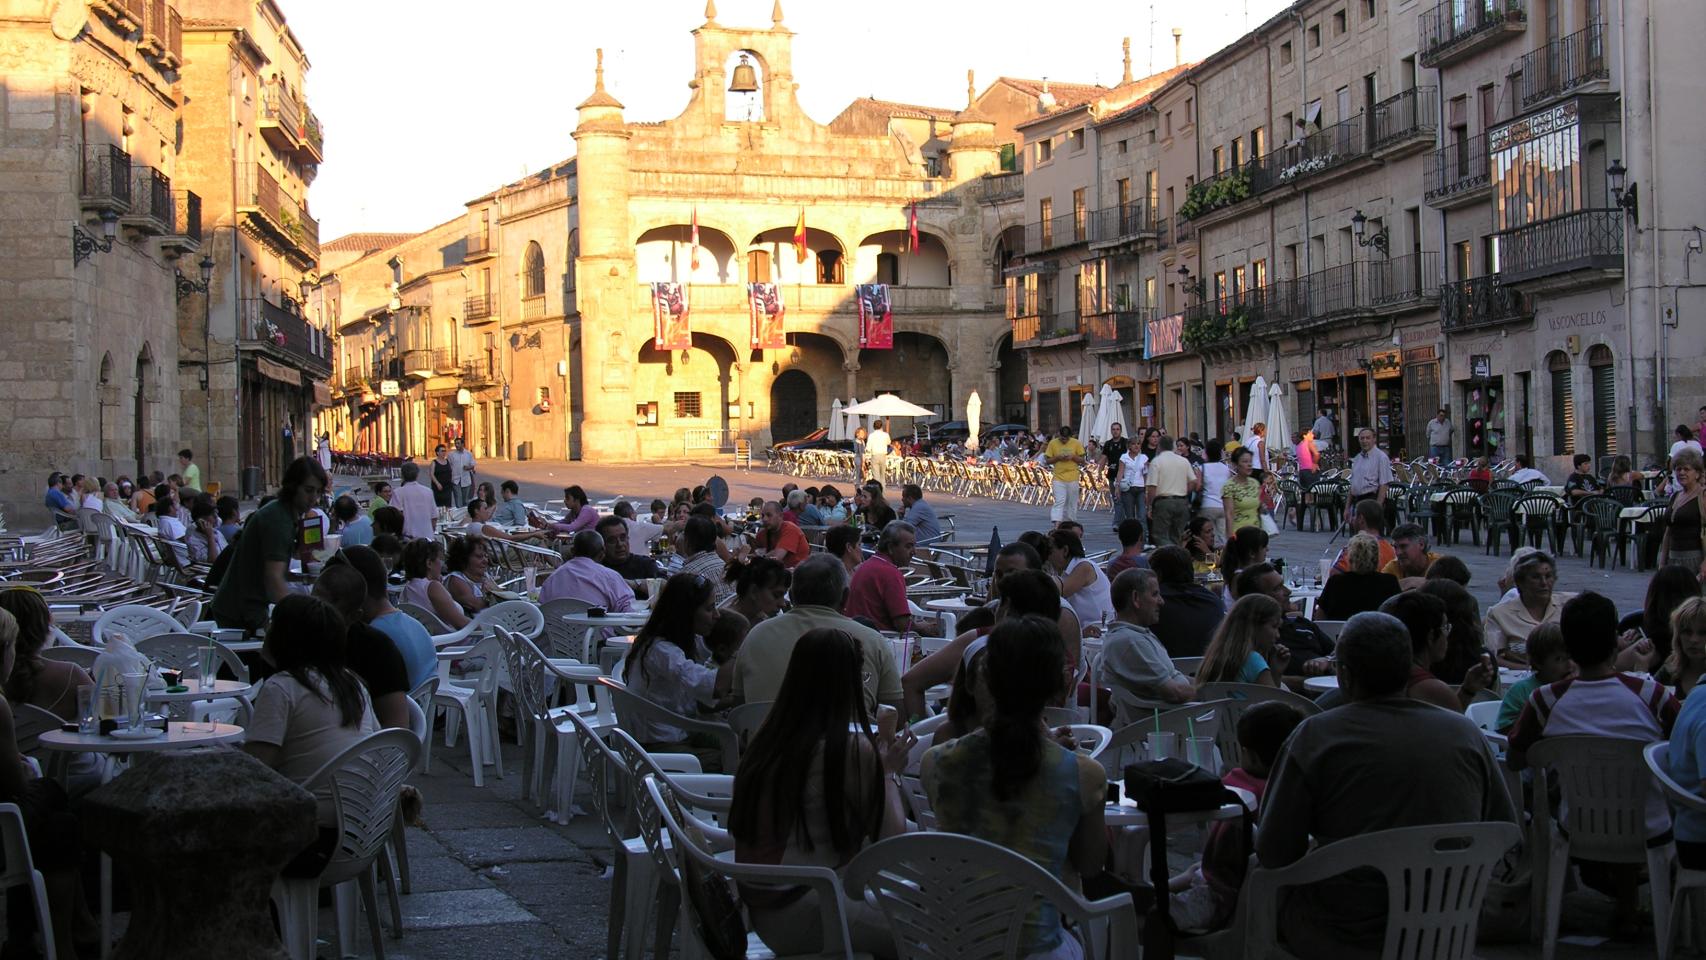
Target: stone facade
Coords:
[(89, 372), (1223, 241), (251, 148)]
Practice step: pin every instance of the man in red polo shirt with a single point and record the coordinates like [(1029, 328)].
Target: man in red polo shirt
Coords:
[(780, 539), (878, 589)]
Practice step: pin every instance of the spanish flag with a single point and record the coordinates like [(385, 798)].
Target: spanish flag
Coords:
[(800, 238)]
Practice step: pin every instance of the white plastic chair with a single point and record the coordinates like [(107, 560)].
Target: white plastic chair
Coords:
[(135, 622), (1605, 783), (1092, 739), (363, 782), (687, 851), (919, 880), (1436, 877), (634, 712), (425, 618), (397, 874), (1196, 719), (1686, 881), (422, 696), (532, 678), (747, 718), (82, 656), (632, 878), (1485, 714), (656, 892), (562, 639), (925, 731), (475, 704), (20, 871), (516, 616)]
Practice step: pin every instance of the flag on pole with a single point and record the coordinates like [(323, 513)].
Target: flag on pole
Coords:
[(693, 264), (800, 238), (912, 228)]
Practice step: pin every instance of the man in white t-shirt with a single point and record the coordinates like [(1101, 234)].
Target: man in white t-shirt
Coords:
[(1525, 471), (461, 473), (1215, 473), (877, 452)]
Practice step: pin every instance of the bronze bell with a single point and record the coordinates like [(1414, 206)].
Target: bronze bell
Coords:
[(745, 79)]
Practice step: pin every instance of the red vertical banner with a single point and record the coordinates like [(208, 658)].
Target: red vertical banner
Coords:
[(670, 330), (876, 323), (765, 303)]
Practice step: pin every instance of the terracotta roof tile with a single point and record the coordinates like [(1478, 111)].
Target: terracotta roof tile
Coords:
[(366, 242), (869, 115)]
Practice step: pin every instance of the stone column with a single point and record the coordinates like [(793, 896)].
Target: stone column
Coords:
[(201, 834)]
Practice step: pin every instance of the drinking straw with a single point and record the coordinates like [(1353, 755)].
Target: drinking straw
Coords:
[(1190, 728), (1157, 719)]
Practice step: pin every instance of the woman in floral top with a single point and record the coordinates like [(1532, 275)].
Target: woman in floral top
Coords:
[(1241, 496)]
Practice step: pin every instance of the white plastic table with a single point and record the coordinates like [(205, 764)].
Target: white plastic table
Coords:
[(622, 622), (220, 690), (954, 605)]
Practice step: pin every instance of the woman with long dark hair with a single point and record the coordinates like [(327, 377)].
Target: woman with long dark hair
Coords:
[(668, 662), (761, 586), (1670, 586), (35, 680), (812, 792), (1246, 647), (314, 706), (1246, 547), (1010, 783)]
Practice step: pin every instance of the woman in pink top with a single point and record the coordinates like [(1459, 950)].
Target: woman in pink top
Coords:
[(1306, 457)]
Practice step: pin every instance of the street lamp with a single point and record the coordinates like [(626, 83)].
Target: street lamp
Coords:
[(84, 244), (1380, 241), (188, 287), (1625, 196)]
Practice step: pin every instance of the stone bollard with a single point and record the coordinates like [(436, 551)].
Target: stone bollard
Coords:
[(201, 834)]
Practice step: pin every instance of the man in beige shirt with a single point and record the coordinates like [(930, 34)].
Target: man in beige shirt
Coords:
[(1169, 481), (819, 591)]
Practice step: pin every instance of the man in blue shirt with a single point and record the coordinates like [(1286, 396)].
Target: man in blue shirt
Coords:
[(805, 511), (356, 527), (511, 512), (58, 500), (412, 639), (918, 513)]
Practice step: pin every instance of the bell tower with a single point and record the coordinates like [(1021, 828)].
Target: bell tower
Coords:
[(741, 62), (604, 275)]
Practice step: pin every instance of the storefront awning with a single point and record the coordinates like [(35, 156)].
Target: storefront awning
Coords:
[(322, 394), (278, 371)]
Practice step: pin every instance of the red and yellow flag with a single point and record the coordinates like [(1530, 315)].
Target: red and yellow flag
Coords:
[(800, 238)]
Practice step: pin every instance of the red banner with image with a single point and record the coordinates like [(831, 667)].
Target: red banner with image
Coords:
[(670, 329), (764, 301), (876, 323)]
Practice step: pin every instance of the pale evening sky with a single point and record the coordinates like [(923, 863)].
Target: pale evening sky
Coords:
[(430, 103)]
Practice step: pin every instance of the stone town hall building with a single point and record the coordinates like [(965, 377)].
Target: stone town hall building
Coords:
[(548, 349)]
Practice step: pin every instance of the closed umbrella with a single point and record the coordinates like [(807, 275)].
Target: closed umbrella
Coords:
[(852, 426), (1279, 431), (837, 425), (1087, 417), (1257, 410), (1112, 412), (974, 409)]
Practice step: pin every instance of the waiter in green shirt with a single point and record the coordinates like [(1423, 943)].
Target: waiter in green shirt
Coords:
[(260, 559)]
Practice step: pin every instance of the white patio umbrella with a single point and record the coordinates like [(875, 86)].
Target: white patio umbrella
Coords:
[(837, 425), (852, 425), (888, 405), (1257, 410), (1279, 431), (1111, 411), (1087, 417), (974, 410)]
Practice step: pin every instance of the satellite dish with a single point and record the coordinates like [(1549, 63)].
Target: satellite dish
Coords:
[(719, 490)]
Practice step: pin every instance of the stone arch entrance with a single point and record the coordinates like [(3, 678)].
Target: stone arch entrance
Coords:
[(144, 376), (793, 406)]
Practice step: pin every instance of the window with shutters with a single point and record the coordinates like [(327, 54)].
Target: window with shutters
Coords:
[(1602, 368), (1563, 405)]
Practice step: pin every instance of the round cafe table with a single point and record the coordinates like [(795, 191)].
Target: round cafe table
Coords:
[(178, 736), (621, 622), (954, 605), (220, 690)]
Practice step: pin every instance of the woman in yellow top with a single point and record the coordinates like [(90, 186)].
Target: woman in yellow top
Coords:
[(1241, 496)]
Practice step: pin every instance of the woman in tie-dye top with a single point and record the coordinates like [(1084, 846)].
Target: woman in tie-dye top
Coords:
[(1010, 783)]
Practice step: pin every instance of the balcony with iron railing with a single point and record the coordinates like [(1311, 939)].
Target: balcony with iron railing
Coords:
[(1116, 330), (1481, 302), (480, 308), (152, 42), (1456, 29), (1056, 232), (284, 333), (1589, 240), (1403, 280), (281, 116), (1045, 327), (1562, 67), (1457, 173), (1404, 122), (150, 202), (269, 212), (386, 368), (185, 233), (355, 375), (475, 372), (313, 138), (1124, 221), (1319, 152), (174, 55), (106, 180), (444, 362), (417, 363)]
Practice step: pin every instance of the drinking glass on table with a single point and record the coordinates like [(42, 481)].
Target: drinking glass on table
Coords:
[(135, 685)]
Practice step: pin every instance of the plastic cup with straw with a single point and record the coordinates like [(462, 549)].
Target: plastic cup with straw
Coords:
[(1162, 745)]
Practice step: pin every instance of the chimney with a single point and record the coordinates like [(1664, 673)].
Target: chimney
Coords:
[(1178, 46)]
